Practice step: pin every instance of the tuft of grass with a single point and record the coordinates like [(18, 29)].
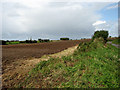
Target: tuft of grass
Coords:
[(93, 65)]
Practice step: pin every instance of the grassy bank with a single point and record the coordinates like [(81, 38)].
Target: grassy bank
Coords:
[(93, 65)]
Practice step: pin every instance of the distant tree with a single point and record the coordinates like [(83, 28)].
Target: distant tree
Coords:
[(64, 38), (43, 40), (27, 41), (3, 42), (0, 42), (31, 41), (46, 40), (109, 36), (40, 40), (34, 41), (102, 33), (7, 40), (22, 41)]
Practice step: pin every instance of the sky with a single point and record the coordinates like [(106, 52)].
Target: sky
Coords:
[(48, 19)]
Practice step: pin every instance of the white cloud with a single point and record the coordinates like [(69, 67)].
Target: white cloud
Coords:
[(99, 22), (112, 27), (112, 7)]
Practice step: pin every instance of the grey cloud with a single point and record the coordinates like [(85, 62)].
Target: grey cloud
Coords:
[(53, 20)]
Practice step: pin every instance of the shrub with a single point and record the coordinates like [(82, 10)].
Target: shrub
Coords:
[(43, 40), (22, 42), (40, 40), (31, 41), (34, 41), (102, 33), (0, 42), (3, 42), (46, 40), (64, 38)]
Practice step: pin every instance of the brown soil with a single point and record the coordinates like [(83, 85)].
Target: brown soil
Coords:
[(17, 60), (11, 53)]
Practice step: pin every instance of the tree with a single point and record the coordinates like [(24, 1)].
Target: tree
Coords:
[(43, 40), (64, 38), (102, 33), (109, 36), (3, 42)]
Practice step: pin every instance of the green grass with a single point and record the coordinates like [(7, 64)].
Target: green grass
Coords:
[(96, 67), (9, 43), (116, 41)]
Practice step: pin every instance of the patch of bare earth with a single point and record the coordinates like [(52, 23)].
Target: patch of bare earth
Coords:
[(17, 71)]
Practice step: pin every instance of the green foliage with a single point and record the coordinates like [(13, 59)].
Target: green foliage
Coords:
[(43, 40), (102, 33), (64, 38), (22, 41), (116, 41), (31, 41), (93, 45), (16, 42), (12, 42), (2, 42)]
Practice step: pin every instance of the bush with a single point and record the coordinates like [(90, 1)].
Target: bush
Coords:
[(43, 40), (22, 41), (2, 42), (34, 41), (64, 38), (102, 33), (31, 41), (46, 40)]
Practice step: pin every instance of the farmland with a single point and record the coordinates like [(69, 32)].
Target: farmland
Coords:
[(11, 53), (87, 67), (93, 65), (14, 56)]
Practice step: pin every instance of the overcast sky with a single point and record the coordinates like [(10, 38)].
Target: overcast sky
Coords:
[(22, 19)]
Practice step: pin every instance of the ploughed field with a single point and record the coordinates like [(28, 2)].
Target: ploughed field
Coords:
[(11, 53)]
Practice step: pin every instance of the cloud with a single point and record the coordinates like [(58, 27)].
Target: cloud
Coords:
[(112, 27), (49, 19), (112, 7), (99, 22)]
